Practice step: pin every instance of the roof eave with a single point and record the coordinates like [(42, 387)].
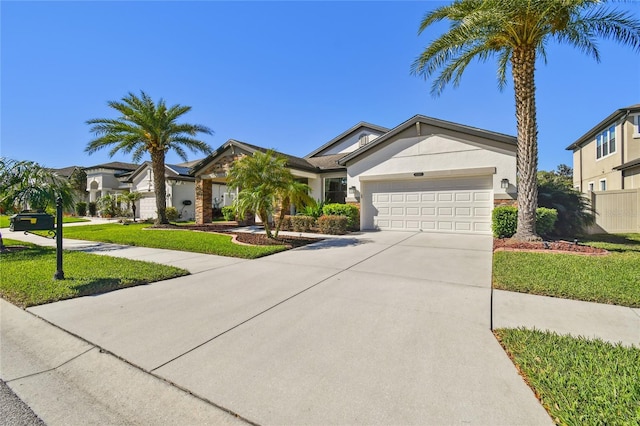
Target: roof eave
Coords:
[(590, 135)]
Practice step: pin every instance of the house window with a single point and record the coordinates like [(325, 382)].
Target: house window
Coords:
[(636, 126), (591, 186), (606, 142), (335, 190), (603, 184), (363, 139)]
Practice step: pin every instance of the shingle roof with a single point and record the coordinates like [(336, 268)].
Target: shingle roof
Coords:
[(292, 161), (115, 165), (66, 171), (327, 162)]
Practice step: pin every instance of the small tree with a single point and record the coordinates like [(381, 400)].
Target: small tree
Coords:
[(130, 198), (265, 184), (78, 182)]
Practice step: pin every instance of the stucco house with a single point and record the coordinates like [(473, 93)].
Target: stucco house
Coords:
[(606, 167), (607, 157), (117, 177), (424, 174)]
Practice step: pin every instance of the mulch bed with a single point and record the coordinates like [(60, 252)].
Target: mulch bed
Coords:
[(253, 239), (509, 244), (12, 249)]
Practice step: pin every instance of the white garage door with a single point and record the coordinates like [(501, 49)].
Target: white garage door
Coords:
[(437, 205), (148, 207)]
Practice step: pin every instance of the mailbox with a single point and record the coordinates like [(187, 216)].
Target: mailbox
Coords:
[(26, 221)]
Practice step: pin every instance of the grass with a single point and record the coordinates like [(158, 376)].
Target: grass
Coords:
[(27, 275), (578, 381), (183, 240), (4, 220), (612, 279)]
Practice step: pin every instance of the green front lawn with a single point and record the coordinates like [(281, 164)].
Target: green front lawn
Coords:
[(27, 275), (4, 220), (173, 239), (579, 381), (613, 279)]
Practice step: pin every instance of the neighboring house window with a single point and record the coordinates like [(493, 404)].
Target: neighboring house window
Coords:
[(335, 190), (591, 186), (606, 142), (363, 139), (603, 185), (636, 126)]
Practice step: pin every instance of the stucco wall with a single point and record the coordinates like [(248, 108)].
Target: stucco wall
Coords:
[(436, 152), (180, 193), (351, 143)]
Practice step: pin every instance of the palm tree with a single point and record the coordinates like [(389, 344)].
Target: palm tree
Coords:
[(293, 193), (148, 127), (264, 182), (131, 198), (28, 184), (517, 32)]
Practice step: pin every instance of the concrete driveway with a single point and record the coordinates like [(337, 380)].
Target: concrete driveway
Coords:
[(380, 328)]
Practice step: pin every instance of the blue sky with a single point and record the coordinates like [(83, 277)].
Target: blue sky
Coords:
[(284, 75)]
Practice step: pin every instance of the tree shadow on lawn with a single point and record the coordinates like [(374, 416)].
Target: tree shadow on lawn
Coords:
[(628, 243), (98, 286)]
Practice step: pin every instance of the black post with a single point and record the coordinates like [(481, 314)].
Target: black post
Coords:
[(59, 275)]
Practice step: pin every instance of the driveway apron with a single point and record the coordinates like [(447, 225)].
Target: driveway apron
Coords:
[(378, 328)]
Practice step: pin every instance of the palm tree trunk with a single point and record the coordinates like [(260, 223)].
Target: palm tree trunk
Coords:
[(157, 165), (523, 61), (284, 208)]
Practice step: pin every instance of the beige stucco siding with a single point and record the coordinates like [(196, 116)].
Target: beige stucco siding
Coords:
[(632, 140), (594, 170), (437, 152), (632, 178)]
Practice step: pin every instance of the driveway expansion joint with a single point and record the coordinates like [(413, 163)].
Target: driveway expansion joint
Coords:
[(48, 370)]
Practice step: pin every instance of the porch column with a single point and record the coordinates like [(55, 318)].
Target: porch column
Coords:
[(203, 201)]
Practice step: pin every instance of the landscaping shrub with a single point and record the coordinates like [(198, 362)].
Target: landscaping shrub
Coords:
[(313, 210), (81, 208), (333, 225), (229, 213), (92, 208), (301, 223), (505, 221), (351, 212), (172, 214), (545, 220), (286, 223)]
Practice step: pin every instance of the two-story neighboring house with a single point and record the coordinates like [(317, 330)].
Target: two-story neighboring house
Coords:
[(606, 165), (607, 157)]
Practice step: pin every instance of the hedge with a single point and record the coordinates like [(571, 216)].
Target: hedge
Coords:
[(229, 213), (505, 221), (351, 212), (333, 225)]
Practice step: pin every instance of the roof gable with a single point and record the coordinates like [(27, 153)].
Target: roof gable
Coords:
[(292, 161), (418, 120), (357, 128)]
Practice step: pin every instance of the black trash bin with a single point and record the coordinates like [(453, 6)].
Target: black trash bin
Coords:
[(27, 221)]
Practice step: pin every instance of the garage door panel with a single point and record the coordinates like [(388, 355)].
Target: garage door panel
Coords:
[(448, 205)]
